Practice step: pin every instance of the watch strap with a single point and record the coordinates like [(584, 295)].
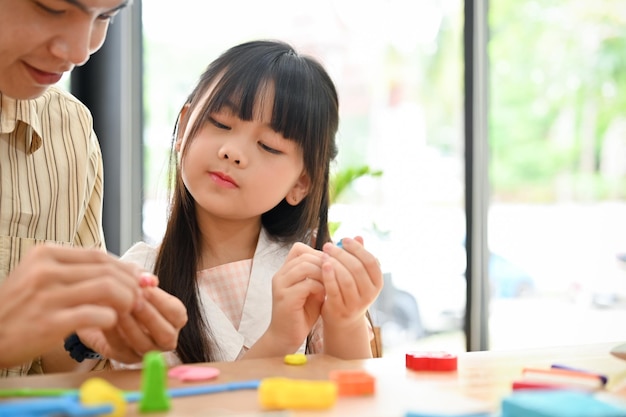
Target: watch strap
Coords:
[(78, 351)]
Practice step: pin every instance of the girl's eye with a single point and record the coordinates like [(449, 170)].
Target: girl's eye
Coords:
[(218, 124), (269, 149)]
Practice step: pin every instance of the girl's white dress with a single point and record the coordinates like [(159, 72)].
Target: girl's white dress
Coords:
[(236, 297)]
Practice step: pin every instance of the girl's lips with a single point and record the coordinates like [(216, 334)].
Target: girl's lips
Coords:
[(42, 77), (223, 180)]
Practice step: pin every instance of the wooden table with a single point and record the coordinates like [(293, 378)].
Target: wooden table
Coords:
[(398, 390)]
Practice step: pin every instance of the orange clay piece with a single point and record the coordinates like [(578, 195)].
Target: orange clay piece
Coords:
[(353, 382), (296, 394)]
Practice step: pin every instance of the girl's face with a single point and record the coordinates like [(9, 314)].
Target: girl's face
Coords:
[(237, 169)]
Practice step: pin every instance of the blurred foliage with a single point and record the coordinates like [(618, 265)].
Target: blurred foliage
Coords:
[(557, 85), (342, 179), (557, 92), (340, 182)]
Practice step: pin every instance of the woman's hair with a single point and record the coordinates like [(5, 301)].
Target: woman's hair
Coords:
[(305, 110)]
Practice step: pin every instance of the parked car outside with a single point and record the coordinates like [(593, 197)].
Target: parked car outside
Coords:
[(408, 309), (607, 289), (425, 287)]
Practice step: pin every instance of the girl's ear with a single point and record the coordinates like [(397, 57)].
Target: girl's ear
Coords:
[(183, 118), (299, 190)]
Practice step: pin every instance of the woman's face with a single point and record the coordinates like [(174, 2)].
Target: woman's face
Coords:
[(42, 39), (238, 169)]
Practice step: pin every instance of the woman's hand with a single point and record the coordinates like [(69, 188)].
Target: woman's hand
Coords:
[(154, 325), (57, 290)]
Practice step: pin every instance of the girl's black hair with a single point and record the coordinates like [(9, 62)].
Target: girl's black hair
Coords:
[(305, 110)]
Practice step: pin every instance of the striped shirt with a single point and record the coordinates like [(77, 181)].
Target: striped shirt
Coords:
[(50, 180)]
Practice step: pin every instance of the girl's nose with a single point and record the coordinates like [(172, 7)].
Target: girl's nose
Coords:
[(236, 161), (232, 154)]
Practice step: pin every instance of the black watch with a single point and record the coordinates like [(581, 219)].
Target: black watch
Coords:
[(78, 351)]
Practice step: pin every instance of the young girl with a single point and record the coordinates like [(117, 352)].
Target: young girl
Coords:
[(247, 247)]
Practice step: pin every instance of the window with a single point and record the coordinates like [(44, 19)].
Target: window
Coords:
[(399, 77), (557, 152), (557, 221)]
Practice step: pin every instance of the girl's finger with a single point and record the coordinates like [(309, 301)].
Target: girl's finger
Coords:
[(341, 286), (361, 264)]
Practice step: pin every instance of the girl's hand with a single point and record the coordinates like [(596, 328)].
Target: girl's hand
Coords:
[(352, 279), (297, 298)]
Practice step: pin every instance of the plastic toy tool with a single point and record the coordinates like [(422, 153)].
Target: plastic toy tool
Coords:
[(62, 406), (133, 396), (97, 398)]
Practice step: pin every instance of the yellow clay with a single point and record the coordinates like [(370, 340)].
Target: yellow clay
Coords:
[(97, 391), (295, 359), (297, 394)]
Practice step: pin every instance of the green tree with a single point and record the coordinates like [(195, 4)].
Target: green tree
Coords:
[(557, 82)]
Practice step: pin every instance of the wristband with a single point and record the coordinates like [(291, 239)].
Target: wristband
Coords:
[(78, 351)]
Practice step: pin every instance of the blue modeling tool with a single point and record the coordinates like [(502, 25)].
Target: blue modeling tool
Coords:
[(67, 403), (201, 389), (130, 396), (64, 405), (212, 389)]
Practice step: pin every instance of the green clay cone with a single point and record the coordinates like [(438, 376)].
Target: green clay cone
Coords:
[(154, 397)]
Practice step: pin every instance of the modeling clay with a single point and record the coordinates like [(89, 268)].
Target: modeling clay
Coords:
[(353, 382), (154, 396), (186, 373), (97, 391), (295, 359), (285, 393), (431, 361)]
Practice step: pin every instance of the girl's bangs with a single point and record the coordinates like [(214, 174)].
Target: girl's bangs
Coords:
[(244, 87)]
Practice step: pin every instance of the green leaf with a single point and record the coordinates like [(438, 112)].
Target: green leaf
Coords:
[(343, 179)]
